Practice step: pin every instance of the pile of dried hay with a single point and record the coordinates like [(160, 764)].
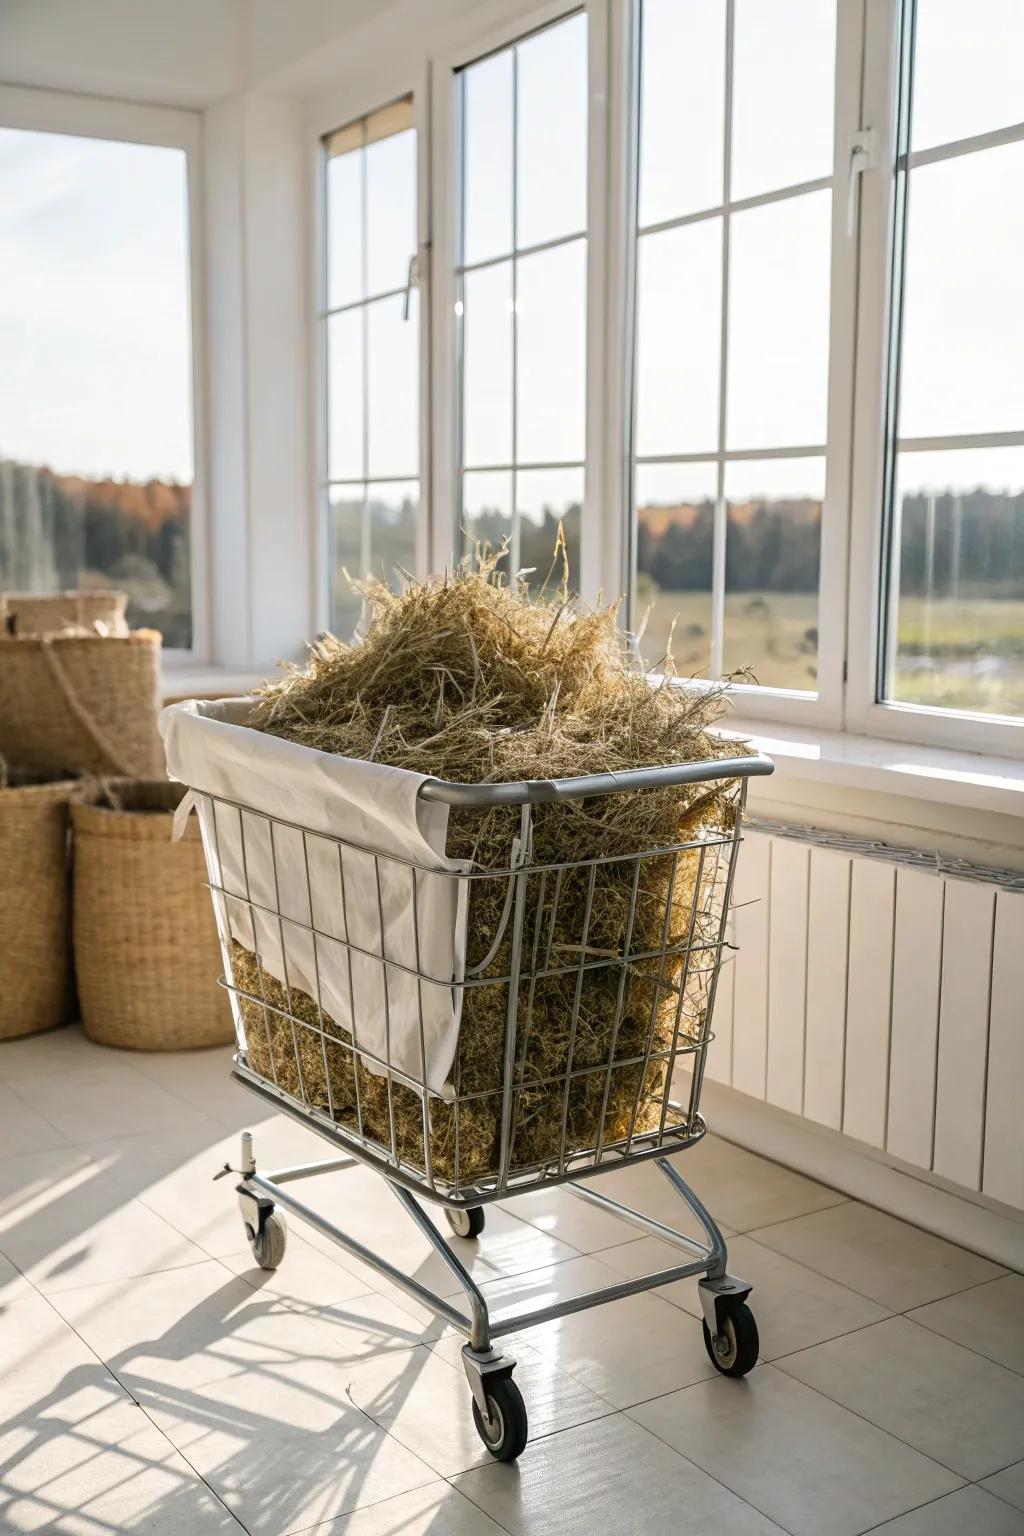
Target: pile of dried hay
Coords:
[(464, 677)]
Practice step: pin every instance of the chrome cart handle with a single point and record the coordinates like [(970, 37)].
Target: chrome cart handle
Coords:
[(533, 791)]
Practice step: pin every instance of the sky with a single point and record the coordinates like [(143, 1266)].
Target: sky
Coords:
[(94, 306)]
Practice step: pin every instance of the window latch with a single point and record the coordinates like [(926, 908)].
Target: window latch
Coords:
[(412, 281), (863, 157)]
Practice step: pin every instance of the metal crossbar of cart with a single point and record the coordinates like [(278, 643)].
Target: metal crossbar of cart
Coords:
[(682, 972)]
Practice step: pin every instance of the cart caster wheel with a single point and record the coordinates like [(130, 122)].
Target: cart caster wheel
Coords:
[(467, 1221), (504, 1434), (269, 1245), (734, 1350)]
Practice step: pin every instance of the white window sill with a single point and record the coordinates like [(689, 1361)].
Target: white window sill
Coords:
[(968, 779), (198, 682)]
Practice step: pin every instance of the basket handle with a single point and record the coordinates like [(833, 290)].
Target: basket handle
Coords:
[(533, 791), (81, 714)]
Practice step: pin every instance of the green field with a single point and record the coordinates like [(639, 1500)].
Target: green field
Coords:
[(965, 654)]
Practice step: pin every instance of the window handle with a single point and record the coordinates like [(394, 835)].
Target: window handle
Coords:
[(863, 157), (412, 281)]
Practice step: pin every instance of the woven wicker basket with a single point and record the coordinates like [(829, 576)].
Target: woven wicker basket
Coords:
[(82, 703), (29, 613), (35, 907), (146, 951)]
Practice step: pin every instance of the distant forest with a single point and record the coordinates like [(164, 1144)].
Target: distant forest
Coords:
[(976, 545), (63, 531)]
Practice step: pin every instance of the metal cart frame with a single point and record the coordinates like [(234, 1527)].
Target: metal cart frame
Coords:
[(730, 1333)]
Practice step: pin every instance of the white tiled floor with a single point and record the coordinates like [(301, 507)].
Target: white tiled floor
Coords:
[(151, 1379)]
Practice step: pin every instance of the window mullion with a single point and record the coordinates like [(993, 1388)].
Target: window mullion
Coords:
[(721, 514)]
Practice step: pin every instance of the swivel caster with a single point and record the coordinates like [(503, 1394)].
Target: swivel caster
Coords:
[(466, 1221), (504, 1431), (733, 1350)]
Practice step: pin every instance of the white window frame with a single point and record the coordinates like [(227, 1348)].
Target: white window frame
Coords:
[(379, 88), (475, 43), (867, 58), (866, 712), (41, 111), (823, 709)]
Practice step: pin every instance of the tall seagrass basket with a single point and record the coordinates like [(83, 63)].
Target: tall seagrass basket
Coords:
[(147, 955), (35, 906), (33, 613), (82, 703)]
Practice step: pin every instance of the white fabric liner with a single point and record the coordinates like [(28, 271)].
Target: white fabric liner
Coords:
[(377, 807)]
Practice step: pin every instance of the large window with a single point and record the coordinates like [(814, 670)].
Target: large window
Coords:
[(731, 291), (733, 266), (521, 300), (96, 424), (371, 318), (954, 613)]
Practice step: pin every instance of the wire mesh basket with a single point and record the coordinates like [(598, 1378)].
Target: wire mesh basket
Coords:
[(581, 997)]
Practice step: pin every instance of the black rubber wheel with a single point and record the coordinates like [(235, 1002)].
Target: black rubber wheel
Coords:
[(506, 1433), (734, 1350), (466, 1221), (268, 1248)]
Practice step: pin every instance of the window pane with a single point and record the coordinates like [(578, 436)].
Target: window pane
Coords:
[(778, 324), (679, 299), (771, 569), (957, 620), (392, 512), (968, 69), (393, 387), (96, 377), (783, 93), (345, 395), (675, 520), (487, 158), (682, 107), (551, 119), (551, 313), (390, 211), (486, 508), (345, 224), (487, 365), (545, 498), (963, 317), (348, 534)]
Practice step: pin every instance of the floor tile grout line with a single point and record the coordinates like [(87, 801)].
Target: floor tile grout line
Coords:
[(890, 1432), (625, 1413), (437, 1479), (882, 1524), (862, 1295), (964, 1481), (893, 1312), (981, 1484), (689, 1459), (475, 1505), (167, 1269), (130, 1395)]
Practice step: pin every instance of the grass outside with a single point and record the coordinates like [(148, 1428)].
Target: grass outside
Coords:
[(964, 654)]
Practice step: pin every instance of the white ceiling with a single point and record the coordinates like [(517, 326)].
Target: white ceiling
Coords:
[(181, 52)]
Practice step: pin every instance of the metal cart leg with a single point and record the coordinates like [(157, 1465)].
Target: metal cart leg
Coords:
[(498, 1408), (730, 1333)]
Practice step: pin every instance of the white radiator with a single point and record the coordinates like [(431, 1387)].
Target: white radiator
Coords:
[(880, 993)]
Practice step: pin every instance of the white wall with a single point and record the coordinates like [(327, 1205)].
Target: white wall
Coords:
[(259, 303), (185, 53)]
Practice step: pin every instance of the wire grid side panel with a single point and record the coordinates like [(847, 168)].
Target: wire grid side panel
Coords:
[(592, 978)]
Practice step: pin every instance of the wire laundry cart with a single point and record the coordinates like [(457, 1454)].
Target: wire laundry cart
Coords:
[(632, 1081)]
